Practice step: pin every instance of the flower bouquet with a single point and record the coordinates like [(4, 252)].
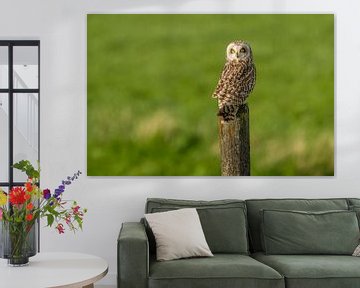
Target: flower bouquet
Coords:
[(21, 208)]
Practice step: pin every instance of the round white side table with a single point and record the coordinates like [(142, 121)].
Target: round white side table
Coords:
[(50, 270)]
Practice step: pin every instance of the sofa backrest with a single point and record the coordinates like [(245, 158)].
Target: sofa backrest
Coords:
[(254, 207), (353, 202), (223, 221)]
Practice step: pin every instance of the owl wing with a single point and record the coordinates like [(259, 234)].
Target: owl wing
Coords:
[(229, 75)]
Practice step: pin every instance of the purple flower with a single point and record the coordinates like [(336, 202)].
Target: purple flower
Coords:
[(68, 181), (58, 192), (46, 194)]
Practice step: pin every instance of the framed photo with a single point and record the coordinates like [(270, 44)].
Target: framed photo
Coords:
[(150, 81)]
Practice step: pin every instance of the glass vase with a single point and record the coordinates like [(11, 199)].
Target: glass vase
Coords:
[(18, 242)]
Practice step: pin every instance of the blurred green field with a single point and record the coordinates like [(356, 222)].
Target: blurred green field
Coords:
[(150, 79)]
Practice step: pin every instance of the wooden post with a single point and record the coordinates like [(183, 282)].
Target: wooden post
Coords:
[(234, 141)]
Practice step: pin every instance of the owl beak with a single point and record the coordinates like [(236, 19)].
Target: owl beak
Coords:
[(238, 55)]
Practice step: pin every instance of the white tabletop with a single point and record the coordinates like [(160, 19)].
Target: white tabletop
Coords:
[(54, 270)]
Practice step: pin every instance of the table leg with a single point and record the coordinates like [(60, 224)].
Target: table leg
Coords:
[(89, 286)]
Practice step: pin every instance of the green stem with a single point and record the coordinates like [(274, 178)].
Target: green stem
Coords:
[(18, 237)]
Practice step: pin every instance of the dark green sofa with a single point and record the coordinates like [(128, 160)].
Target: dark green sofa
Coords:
[(233, 231)]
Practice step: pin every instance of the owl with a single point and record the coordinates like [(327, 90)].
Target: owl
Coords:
[(237, 79)]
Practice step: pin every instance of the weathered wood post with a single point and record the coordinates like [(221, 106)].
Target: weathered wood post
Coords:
[(234, 139)]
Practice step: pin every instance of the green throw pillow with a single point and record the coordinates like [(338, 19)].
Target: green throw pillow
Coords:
[(300, 232)]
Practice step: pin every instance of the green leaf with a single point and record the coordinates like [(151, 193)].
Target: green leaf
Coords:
[(53, 211), (79, 221), (50, 219), (26, 166)]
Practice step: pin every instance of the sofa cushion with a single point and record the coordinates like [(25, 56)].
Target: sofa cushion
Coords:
[(178, 234), (222, 270), (223, 221), (254, 207), (313, 271), (297, 232)]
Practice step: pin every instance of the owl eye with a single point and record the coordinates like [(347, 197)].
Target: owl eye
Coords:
[(232, 51), (242, 50)]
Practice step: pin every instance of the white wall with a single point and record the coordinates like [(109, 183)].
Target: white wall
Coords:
[(61, 27)]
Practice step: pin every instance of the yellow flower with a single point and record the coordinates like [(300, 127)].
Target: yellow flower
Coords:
[(3, 198)]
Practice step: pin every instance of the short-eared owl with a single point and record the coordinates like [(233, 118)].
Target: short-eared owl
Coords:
[(237, 79)]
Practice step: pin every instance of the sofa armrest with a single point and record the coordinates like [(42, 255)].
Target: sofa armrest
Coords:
[(133, 256)]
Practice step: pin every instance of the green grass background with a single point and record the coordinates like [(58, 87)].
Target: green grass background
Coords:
[(150, 80)]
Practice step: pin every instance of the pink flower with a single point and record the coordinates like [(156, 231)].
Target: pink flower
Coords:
[(68, 219), (1, 212), (76, 210), (60, 228)]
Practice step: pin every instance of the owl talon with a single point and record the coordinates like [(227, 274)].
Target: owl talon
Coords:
[(226, 117)]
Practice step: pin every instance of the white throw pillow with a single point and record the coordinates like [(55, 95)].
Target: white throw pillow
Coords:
[(178, 234), (357, 251)]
